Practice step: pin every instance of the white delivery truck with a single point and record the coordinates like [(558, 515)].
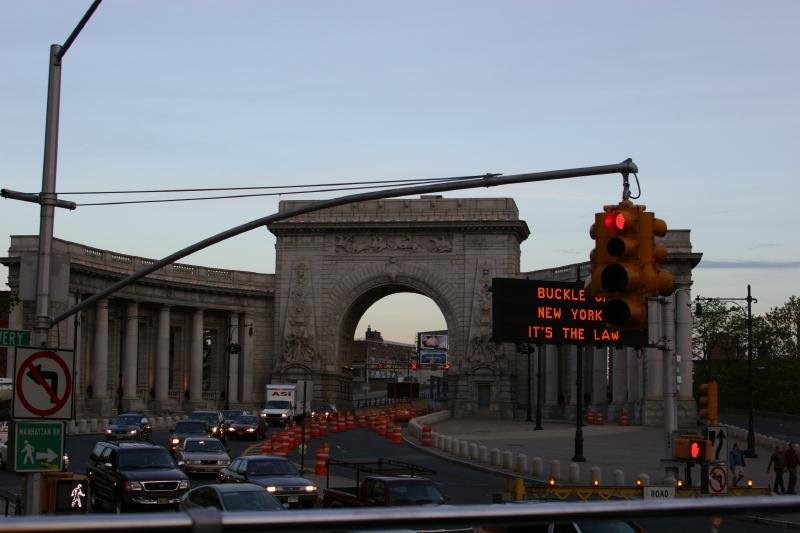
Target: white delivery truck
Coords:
[(285, 402)]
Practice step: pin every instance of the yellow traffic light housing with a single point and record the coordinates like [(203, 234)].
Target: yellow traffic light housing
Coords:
[(709, 406)]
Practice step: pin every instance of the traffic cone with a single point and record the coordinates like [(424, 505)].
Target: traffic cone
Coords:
[(266, 447), (321, 468), (623, 418), (397, 435), (427, 436)]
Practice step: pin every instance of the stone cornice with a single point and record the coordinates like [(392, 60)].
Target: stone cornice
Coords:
[(518, 228)]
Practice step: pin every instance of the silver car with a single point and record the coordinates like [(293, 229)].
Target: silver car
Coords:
[(202, 455)]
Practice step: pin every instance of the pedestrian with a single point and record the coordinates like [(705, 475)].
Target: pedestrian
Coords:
[(736, 463), (778, 461), (792, 459)]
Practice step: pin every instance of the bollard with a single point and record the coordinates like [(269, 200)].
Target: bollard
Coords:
[(669, 481), (494, 455), (574, 473), (643, 480), (521, 463), (619, 477), (596, 475), (464, 450), (537, 468), (83, 426), (483, 454), (508, 460), (455, 445), (473, 451), (437, 440), (555, 469), (446, 443)]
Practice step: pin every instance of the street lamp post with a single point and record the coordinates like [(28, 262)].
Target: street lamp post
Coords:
[(751, 436), (230, 349)]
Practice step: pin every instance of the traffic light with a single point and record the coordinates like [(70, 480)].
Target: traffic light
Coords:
[(413, 365), (625, 263), (447, 365), (708, 402), (692, 448), (379, 366)]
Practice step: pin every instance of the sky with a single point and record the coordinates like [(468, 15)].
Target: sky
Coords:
[(199, 94)]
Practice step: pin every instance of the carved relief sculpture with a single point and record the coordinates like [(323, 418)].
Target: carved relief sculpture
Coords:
[(299, 338), (356, 244), (481, 349)]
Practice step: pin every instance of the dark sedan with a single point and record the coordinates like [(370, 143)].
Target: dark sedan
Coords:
[(230, 497), (248, 427), (187, 428), (130, 426), (276, 475)]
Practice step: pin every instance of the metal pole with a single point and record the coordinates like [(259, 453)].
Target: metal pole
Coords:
[(579, 458), (751, 437), (667, 325), (539, 391), (528, 349)]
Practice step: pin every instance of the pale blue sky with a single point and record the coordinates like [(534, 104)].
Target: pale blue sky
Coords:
[(702, 95)]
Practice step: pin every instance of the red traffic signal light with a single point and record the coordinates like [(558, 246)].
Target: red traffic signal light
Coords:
[(413, 365), (446, 365), (379, 366)]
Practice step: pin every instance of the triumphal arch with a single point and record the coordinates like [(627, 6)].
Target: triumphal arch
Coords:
[(332, 265)]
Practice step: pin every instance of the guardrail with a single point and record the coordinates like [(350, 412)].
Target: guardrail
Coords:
[(212, 521)]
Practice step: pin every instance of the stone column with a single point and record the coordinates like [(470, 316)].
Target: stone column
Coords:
[(130, 352), (196, 358), (247, 362), (99, 368), (683, 340), (634, 373), (162, 354), (655, 379), (619, 381), (551, 375), (232, 394), (599, 375), (570, 354)]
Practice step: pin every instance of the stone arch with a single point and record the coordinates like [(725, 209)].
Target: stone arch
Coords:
[(359, 290)]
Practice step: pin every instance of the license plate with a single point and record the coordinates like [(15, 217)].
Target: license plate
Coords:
[(293, 499), (163, 501)]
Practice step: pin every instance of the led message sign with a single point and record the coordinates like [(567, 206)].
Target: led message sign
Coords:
[(552, 312)]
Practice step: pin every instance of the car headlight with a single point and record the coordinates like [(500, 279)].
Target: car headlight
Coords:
[(223, 462), (271, 488), (284, 415), (175, 441), (183, 484), (311, 488), (231, 429), (108, 431), (214, 429), (134, 431), (250, 430), (132, 485)]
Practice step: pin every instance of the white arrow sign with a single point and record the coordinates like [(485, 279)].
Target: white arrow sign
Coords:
[(48, 456)]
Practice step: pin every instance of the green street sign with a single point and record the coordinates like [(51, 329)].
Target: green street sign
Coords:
[(38, 446), (15, 337)]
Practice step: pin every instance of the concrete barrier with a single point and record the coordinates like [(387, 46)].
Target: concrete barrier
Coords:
[(643, 479), (83, 426), (555, 469), (521, 464), (596, 475), (483, 454), (619, 477), (574, 473), (537, 467), (494, 457), (508, 460), (95, 426), (473, 451), (464, 451), (455, 445)]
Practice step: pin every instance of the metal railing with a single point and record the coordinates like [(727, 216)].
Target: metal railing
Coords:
[(467, 516)]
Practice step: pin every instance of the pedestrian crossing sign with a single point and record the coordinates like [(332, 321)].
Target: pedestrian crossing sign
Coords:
[(38, 446)]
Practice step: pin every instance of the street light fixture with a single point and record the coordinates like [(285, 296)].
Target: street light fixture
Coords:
[(232, 348), (751, 440)]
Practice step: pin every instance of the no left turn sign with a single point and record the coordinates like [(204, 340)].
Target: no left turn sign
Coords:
[(43, 384), (718, 479)]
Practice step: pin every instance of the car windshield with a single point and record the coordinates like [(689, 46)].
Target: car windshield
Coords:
[(211, 418), (251, 500), (191, 427), (271, 468), (209, 446), (278, 404), (230, 415), (249, 419), (127, 420), (323, 407), (414, 493), (155, 458)]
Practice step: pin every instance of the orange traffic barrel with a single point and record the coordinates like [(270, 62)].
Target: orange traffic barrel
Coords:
[(598, 418), (623, 418), (362, 421), (321, 468), (342, 423), (397, 435), (315, 430), (381, 428), (427, 436), (351, 423), (266, 447)]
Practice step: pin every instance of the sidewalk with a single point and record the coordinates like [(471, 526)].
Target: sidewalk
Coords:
[(633, 449)]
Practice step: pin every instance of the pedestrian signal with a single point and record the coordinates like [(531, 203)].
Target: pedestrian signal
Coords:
[(692, 448), (413, 365)]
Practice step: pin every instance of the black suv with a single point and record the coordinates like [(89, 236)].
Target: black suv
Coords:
[(134, 426), (215, 421), (128, 475)]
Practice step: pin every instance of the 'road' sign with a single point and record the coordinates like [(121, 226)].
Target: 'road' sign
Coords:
[(718, 479), (43, 384), (15, 337), (38, 446), (658, 493)]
